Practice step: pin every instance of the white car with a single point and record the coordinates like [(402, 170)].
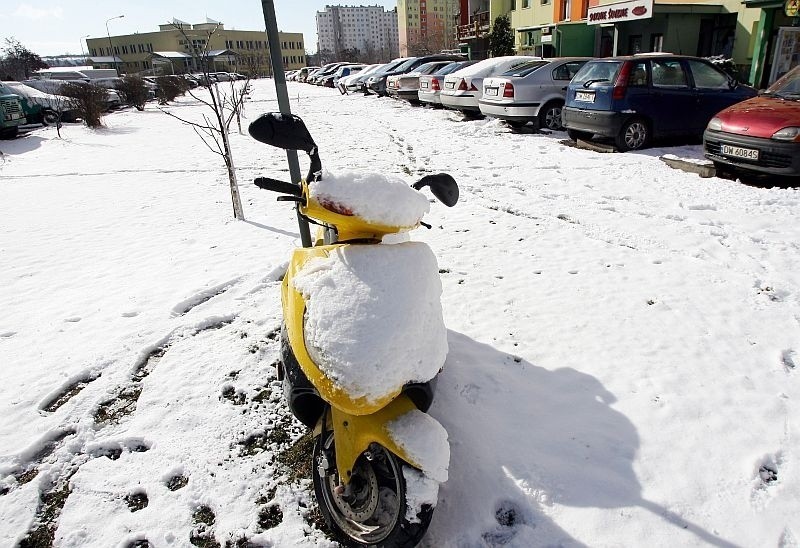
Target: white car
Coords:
[(463, 88), (355, 82), (531, 92)]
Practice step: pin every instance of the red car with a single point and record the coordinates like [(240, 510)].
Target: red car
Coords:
[(759, 135)]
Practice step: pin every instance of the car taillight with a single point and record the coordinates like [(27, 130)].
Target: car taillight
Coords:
[(472, 87), (435, 85), (509, 90), (462, 86), (621, 85)]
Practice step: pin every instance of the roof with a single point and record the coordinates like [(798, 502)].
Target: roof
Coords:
[(106, 59), (171, 54)]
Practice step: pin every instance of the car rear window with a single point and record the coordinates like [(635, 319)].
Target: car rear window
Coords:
[(597, 72), (525, 68), (452, 67)]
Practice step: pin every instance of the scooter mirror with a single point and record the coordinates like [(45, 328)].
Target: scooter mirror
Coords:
[(442, 185), (285, 131)]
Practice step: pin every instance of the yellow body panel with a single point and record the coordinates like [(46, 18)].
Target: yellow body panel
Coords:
[(354, 433), (349, 227), (294, 311)]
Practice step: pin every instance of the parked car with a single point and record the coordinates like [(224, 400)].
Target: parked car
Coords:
[(430, 86), (49, 104), (531, 92), (637, 98), (382, 72), (344, 72), (302, 74), (406, 86), (359, 83), (354, 81), (11, 114), (759, 135), (462, 89), (377, 82), (113, 99)]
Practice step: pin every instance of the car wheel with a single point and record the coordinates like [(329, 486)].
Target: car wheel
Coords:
[(634, 135), (574, 134), (550, 116), (50, 117)]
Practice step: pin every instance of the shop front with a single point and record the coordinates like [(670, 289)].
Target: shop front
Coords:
[(776, 40)]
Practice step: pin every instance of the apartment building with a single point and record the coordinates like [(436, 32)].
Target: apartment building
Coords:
[(427, 26), (176, 47), (366, 33)]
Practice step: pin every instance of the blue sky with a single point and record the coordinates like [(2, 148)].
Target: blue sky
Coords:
[(53, 27)]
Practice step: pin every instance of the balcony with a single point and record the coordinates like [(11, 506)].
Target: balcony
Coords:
[(478, 27)]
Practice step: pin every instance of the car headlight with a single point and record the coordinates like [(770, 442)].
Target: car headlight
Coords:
[(715, 124), (787, 134)]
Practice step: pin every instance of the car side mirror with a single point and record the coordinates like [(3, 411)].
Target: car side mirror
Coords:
[(285, 131), (442, 185), (733, 83)]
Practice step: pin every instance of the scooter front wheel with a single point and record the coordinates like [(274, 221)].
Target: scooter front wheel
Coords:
[(372, 509)]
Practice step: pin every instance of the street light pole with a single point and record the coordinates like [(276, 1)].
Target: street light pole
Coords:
[(82, 53), (110, 45)]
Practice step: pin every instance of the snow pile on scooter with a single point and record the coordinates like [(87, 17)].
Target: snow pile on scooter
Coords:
[(374, 197), (374, 316)]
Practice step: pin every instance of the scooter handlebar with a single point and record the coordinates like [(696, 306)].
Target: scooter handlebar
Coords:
[(281, 187)]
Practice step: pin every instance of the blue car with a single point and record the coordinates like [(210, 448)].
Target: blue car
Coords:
[(637, 98)]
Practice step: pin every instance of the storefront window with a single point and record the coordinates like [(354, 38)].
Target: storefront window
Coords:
[(656, 42)]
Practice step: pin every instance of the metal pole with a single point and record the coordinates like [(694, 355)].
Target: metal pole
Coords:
[(110, 45), (268, 6)]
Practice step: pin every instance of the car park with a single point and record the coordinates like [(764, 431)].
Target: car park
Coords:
[(406, 86), (531, 92), (759, 135), (377, 83), (463, 88), (353, 82), (430, 86), (634, 99)]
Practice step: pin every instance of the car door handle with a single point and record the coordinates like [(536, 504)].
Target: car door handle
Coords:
[(564, 88)]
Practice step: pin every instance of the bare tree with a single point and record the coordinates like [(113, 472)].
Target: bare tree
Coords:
[(225, 104)]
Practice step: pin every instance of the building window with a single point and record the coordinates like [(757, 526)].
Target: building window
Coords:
[(526, 4), (566, 9), (656, 42)]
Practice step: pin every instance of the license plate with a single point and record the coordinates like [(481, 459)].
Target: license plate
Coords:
[(585, 96), (449, 85), (491, 92), (739, 152), (423, 85)]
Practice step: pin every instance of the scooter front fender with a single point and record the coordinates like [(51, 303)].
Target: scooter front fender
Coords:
[(401, 428)]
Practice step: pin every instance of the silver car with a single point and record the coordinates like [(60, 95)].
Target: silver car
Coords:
[(462, 89), (430, 86), (531, 92)]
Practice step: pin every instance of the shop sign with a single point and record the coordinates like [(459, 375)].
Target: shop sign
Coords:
[(621, 11), (547, 39), (790, 8)]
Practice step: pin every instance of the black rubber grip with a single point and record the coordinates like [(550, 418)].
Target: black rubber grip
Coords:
[(278, 186)]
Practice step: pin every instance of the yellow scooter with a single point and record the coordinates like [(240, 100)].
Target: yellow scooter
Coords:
[(362, 342)]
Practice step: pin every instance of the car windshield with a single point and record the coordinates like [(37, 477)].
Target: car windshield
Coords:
[(405, 66), (452, 67), (525, 68), (597, 72), (787, 86)]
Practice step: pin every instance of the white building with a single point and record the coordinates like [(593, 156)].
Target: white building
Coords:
[(369, 29)]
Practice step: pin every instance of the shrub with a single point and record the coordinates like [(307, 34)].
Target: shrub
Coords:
[(169, 87), (91, 101), (134, 91)]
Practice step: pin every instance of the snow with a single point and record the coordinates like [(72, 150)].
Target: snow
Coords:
[(622, 336), (425, 441), (375, 197), (374, 317)]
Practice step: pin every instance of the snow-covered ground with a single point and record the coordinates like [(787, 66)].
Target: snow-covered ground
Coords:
[(624, 338)]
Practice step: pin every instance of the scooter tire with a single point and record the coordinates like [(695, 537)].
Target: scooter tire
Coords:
[(390, 498)]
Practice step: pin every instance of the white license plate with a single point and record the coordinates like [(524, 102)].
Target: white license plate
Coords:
[(739, 152), (491, 92), (585, 96), (449, 85), (423, 85)]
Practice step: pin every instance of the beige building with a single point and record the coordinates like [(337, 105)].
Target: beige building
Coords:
[(427, 26), (177, 47)]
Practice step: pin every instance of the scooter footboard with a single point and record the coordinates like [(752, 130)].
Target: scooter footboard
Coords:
[(400, 427)]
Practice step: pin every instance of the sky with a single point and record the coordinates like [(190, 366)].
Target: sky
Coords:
[(53, 27), (622, 337)]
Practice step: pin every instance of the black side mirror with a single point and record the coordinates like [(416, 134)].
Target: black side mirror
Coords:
[(285, 131), (733, 83), (442, 185)]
